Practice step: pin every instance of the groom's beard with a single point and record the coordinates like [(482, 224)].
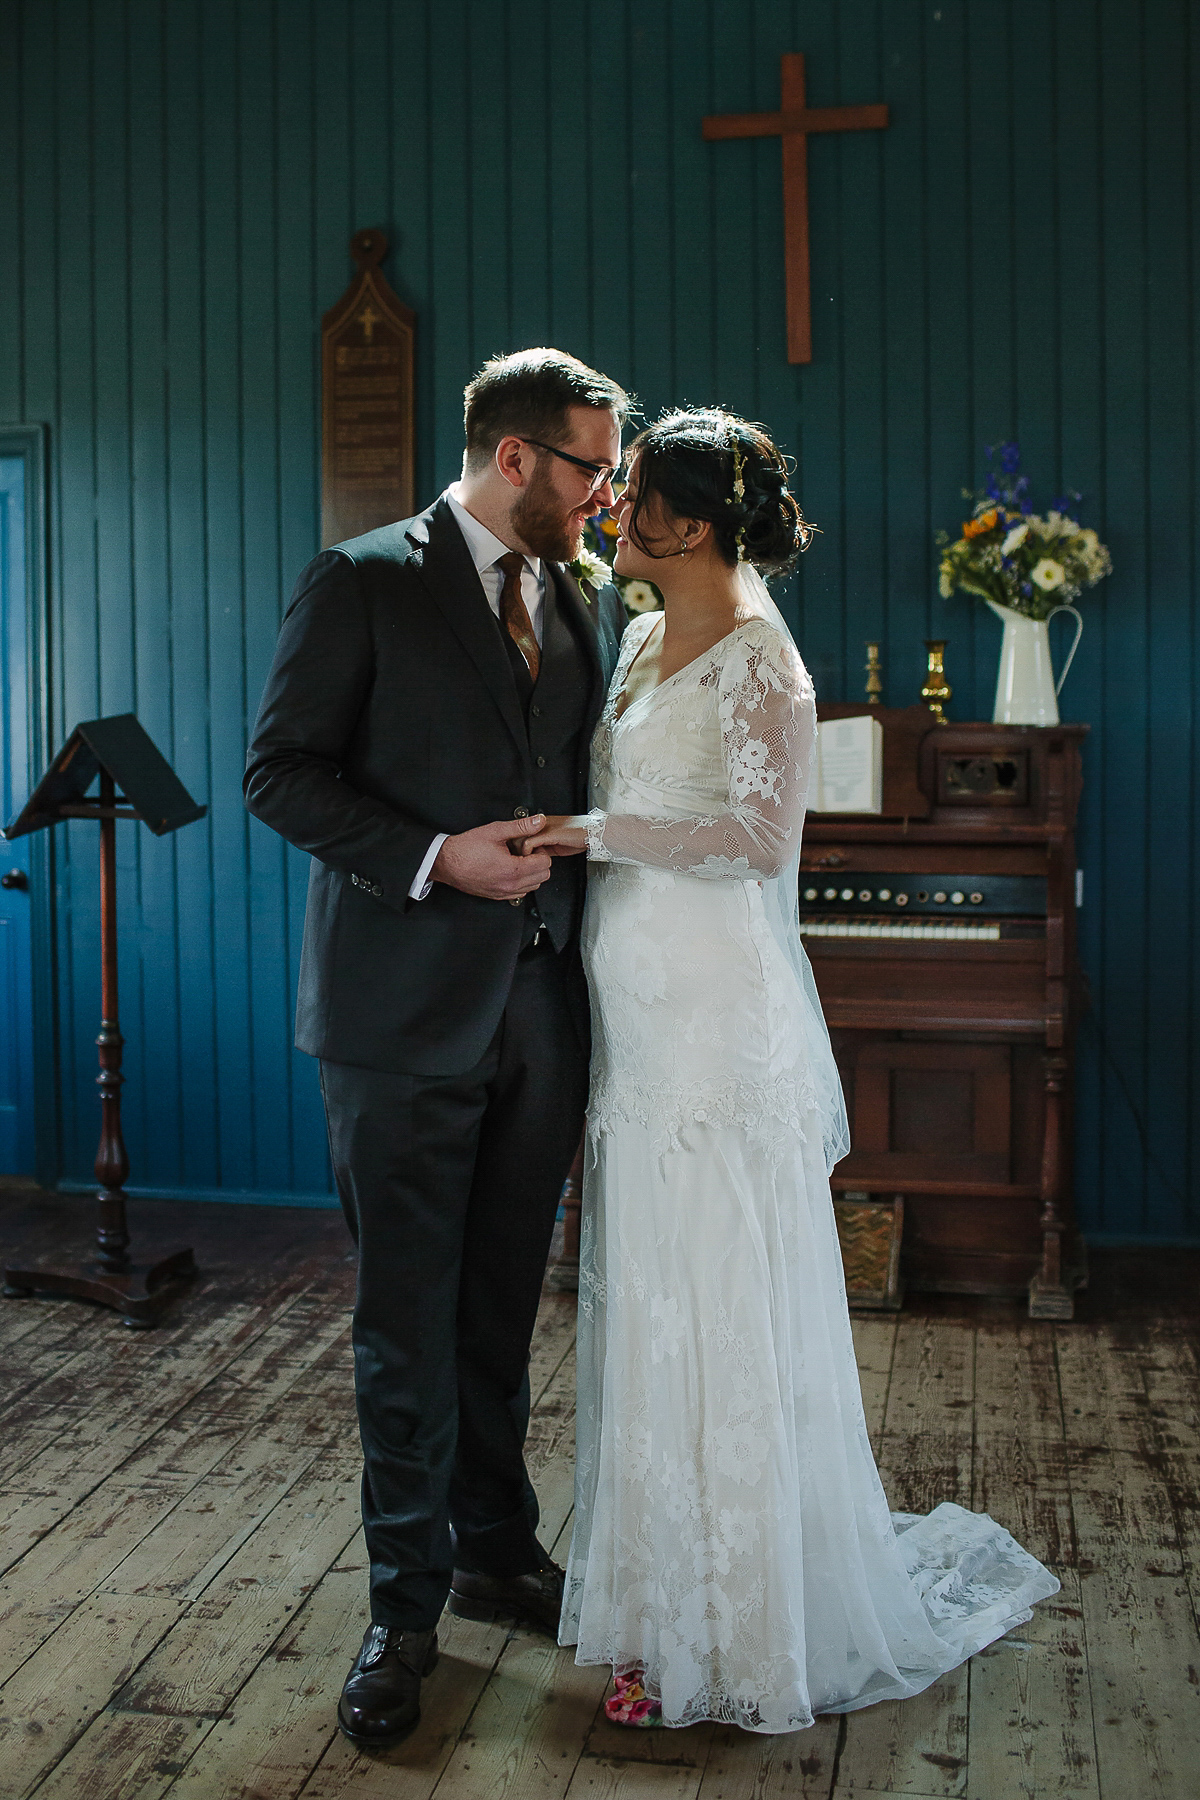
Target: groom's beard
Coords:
[(543, 526)]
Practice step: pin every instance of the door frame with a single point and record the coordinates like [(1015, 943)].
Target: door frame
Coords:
[(31, 443)]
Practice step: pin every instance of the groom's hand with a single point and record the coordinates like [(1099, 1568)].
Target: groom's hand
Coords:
[(481, 861)]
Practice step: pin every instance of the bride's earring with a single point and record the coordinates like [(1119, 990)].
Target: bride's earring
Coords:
[(684, 546)]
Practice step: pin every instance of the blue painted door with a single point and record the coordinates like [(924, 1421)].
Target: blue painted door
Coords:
[(16, 971)]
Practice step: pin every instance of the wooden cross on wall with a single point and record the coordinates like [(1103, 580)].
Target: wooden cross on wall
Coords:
[(793, 122)]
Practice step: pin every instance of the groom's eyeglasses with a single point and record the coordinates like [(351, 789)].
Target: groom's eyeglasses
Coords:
[(599, 472)]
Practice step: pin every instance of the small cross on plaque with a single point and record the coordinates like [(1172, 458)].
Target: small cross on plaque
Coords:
[(792, 123), (368, 318)]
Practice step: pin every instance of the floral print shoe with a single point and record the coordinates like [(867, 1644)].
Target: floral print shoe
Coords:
[(630, 1704)]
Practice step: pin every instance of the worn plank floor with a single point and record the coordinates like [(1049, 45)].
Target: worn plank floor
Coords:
[(182, 1575)]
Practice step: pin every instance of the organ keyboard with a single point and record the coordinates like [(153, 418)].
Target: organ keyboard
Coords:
[(869, 928), (942, 935)]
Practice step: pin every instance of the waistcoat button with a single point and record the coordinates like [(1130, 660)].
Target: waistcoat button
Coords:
[(536, 711), (541, 762)]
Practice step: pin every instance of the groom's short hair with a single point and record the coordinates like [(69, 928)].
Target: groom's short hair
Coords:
[(528, 394)]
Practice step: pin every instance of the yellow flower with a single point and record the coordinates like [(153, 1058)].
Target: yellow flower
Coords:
[(973, 528), (1048, 574)]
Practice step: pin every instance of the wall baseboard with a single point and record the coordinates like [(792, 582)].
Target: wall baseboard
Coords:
[(226, 1196), (1096, 1240), (1125, 1240)]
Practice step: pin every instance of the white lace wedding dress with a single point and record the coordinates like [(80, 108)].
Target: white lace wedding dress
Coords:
[(731, 1533)]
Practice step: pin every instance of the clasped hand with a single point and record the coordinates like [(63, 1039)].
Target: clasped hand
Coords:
[(507, 859), (558, 836)]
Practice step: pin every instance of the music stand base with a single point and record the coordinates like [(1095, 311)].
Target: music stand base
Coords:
[(137, 1293)]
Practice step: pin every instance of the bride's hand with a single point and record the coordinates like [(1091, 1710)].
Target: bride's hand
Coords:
[(558, 836)]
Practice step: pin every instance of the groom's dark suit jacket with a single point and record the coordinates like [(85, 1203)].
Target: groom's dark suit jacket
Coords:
[(394, 710)]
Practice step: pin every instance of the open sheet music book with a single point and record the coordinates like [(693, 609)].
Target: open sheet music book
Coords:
[(849, 766)]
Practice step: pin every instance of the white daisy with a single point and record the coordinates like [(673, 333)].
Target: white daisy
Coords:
[(640, 597), (1048, 574)]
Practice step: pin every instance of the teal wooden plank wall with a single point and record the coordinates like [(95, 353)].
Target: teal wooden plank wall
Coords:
[(1014, 257)]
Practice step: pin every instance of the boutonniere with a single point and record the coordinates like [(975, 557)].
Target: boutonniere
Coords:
[(591, 571)]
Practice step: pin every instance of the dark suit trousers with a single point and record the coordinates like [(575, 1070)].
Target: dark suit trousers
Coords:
[(450, 1186)]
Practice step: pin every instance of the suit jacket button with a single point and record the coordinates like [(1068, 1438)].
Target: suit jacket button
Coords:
[(536, 711), (516, 901), (520, 812), (541, 762), (377, 891)]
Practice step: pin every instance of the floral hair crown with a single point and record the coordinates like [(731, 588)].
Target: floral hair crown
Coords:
[(738, 496)]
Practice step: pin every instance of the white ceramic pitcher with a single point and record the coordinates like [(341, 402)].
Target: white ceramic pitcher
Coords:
[(1026, 691)]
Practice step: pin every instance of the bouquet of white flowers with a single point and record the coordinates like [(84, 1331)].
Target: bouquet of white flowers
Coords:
[(1030, 562)]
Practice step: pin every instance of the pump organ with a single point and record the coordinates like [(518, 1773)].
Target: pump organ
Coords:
[(942, 937)]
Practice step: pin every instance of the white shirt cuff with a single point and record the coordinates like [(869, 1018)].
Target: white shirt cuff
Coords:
[(421, 882)]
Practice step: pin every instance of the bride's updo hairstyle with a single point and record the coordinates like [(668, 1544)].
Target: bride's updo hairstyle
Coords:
[(687, 458)]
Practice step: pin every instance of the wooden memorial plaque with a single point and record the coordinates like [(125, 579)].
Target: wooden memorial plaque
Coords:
[(366, 402)]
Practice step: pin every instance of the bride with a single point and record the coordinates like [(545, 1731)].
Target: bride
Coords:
[(733, 1554)]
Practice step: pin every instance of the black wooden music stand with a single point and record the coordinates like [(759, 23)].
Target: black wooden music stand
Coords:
[(120, 753)]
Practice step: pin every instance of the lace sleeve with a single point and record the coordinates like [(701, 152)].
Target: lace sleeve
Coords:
[(767, 717)]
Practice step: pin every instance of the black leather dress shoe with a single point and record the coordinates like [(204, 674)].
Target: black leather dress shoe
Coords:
[(535, 1598), (381, 1696)]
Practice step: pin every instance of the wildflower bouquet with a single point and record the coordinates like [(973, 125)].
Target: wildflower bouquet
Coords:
[(1030, 562)]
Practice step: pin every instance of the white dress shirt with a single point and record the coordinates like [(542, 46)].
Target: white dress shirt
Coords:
[(486, 550)]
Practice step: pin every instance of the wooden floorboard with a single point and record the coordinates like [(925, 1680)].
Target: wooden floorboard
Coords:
[(183, 1577)]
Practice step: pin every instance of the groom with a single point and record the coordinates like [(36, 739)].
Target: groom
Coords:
[(433, 694)]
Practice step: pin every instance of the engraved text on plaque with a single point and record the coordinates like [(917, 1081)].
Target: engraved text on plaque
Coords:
[(366, 402)]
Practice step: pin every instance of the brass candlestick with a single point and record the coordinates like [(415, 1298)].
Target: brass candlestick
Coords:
[(937, 691), (874, 676)]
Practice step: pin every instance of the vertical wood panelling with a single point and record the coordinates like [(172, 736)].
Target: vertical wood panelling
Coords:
[(862, 280), (12, 170), (297, 301), (187, 510), (1170, 628), (905, 396), (1190, 391), (1013, 257), (157, 1025), (1124, 876), (1081, 267), (822, 466)]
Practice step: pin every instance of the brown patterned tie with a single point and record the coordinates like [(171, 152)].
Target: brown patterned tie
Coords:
[(513, 615)]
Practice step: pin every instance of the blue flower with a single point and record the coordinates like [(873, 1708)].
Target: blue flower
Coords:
[(1010, 458)]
